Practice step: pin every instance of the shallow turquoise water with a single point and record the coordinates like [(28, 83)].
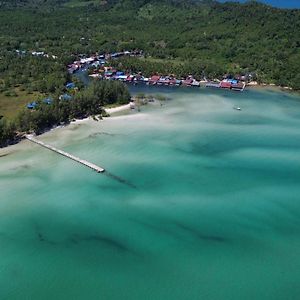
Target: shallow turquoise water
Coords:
[(201, 202)]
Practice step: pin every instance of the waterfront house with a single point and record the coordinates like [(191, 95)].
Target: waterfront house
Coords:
[(121, 77), (188, 81), (195, 83), (172, 81), (178, 82), (225, 84), (109, 70), (108, 74), (164, 81), (212, 84), (161, 81), (139, 77), (239, 86), (154, 79), (130, 78)]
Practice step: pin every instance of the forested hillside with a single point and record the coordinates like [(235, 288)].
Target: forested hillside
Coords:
[(205, 34)]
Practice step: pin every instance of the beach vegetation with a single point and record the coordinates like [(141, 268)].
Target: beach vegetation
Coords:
[(7, 132), (86, 102)]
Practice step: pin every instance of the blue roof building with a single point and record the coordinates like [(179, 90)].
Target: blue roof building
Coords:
[(108, 73), (70, 85), (48, 101), (65, 97), (32, 105)]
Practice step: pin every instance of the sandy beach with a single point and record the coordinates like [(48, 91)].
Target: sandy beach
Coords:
[(12, 148), (119, 108)]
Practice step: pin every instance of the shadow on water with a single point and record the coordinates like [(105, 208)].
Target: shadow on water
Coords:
[(120, 179)]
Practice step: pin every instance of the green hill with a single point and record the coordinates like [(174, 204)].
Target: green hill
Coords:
[(203, 37)]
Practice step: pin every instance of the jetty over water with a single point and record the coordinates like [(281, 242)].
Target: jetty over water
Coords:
[(68, 155)]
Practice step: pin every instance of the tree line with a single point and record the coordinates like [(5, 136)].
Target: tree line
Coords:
[(87, 102)]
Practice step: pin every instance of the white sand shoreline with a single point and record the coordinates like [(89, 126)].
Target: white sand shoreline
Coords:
[(12, 148), (119, 108)]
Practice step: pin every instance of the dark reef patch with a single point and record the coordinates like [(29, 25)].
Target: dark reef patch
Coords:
[(41, 237), (104, 240), (93, 135), (21, 168), (171, 230), (158, 228), (201, 236)]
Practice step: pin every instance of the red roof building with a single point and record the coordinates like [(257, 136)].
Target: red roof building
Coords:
[(225, 85), (172, 81), (129, 78), (154, 79), (188, 81)]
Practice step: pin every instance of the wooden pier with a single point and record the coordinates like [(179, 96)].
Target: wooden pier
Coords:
[(68, 155)]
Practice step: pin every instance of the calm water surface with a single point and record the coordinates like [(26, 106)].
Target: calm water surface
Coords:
[(201, 202)]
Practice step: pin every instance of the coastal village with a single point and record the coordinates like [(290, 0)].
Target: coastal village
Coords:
[(98, 67), (99, 64)]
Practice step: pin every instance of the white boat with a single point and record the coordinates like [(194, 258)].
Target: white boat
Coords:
[(237, 108)]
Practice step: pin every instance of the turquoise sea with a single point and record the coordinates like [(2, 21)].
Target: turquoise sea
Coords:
[(200, 201)]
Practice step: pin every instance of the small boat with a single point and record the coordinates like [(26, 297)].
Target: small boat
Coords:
[(237, 108), (132, 105)]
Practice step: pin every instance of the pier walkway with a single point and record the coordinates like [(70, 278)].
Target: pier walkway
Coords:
[(68, 155)]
